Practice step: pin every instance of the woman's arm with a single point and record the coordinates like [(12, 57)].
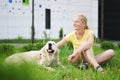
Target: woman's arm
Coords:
[(61, 43), (85, 45)]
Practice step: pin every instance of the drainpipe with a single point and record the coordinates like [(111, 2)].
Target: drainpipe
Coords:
[(102, 19), (32, 28)]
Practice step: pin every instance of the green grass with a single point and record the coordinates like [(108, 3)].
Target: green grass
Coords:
[(20, 40), (70, 72)]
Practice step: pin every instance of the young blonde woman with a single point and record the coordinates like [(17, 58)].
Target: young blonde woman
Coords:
[(82, 39)]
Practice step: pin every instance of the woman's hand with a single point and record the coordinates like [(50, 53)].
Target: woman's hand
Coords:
[(70, 58)]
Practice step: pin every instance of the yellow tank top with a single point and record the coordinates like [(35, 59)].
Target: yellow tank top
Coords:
[(71, 37)]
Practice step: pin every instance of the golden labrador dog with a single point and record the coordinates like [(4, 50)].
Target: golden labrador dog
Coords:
[(46, 57)]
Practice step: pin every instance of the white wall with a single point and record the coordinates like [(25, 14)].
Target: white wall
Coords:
[(16, 19)]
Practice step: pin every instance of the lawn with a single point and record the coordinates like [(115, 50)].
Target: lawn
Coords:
[(70, 72)]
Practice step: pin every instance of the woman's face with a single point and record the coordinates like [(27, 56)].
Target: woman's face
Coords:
[(78, 24)]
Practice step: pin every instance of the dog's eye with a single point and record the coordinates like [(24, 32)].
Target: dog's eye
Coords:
[(53, 43)]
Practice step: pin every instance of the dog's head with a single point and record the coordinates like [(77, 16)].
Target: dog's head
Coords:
[(51, 47)]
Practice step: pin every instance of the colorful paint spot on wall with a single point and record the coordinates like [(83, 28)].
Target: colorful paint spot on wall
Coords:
[(19, 1), (5, 5), (23, 12), (18, 8), (25, 2), (10, 1), (40, 5), (9, 11), (13, 8), (15, 1)]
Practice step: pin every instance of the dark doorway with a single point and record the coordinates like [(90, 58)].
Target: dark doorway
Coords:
[(47, 18), (109, 19)]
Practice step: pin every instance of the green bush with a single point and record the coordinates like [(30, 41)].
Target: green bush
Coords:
[(61, 33), (107, 45), (27, 47), (46, 35), (7, 49), (97, 40), (19, 38), (39, 45), (118, 45)]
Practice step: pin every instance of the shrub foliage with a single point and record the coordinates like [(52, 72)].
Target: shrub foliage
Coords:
[(61, 33), (7, 49), (118, 45), (107, 45)]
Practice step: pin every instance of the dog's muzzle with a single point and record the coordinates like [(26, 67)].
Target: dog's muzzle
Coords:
[(50, 50)]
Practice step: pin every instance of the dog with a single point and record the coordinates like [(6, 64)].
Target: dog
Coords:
[(46, 57)]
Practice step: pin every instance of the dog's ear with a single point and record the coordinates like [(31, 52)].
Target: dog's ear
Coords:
[(43, 51)]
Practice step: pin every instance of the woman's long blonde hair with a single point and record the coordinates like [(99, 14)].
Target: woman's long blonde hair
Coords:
[(84, 20)]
